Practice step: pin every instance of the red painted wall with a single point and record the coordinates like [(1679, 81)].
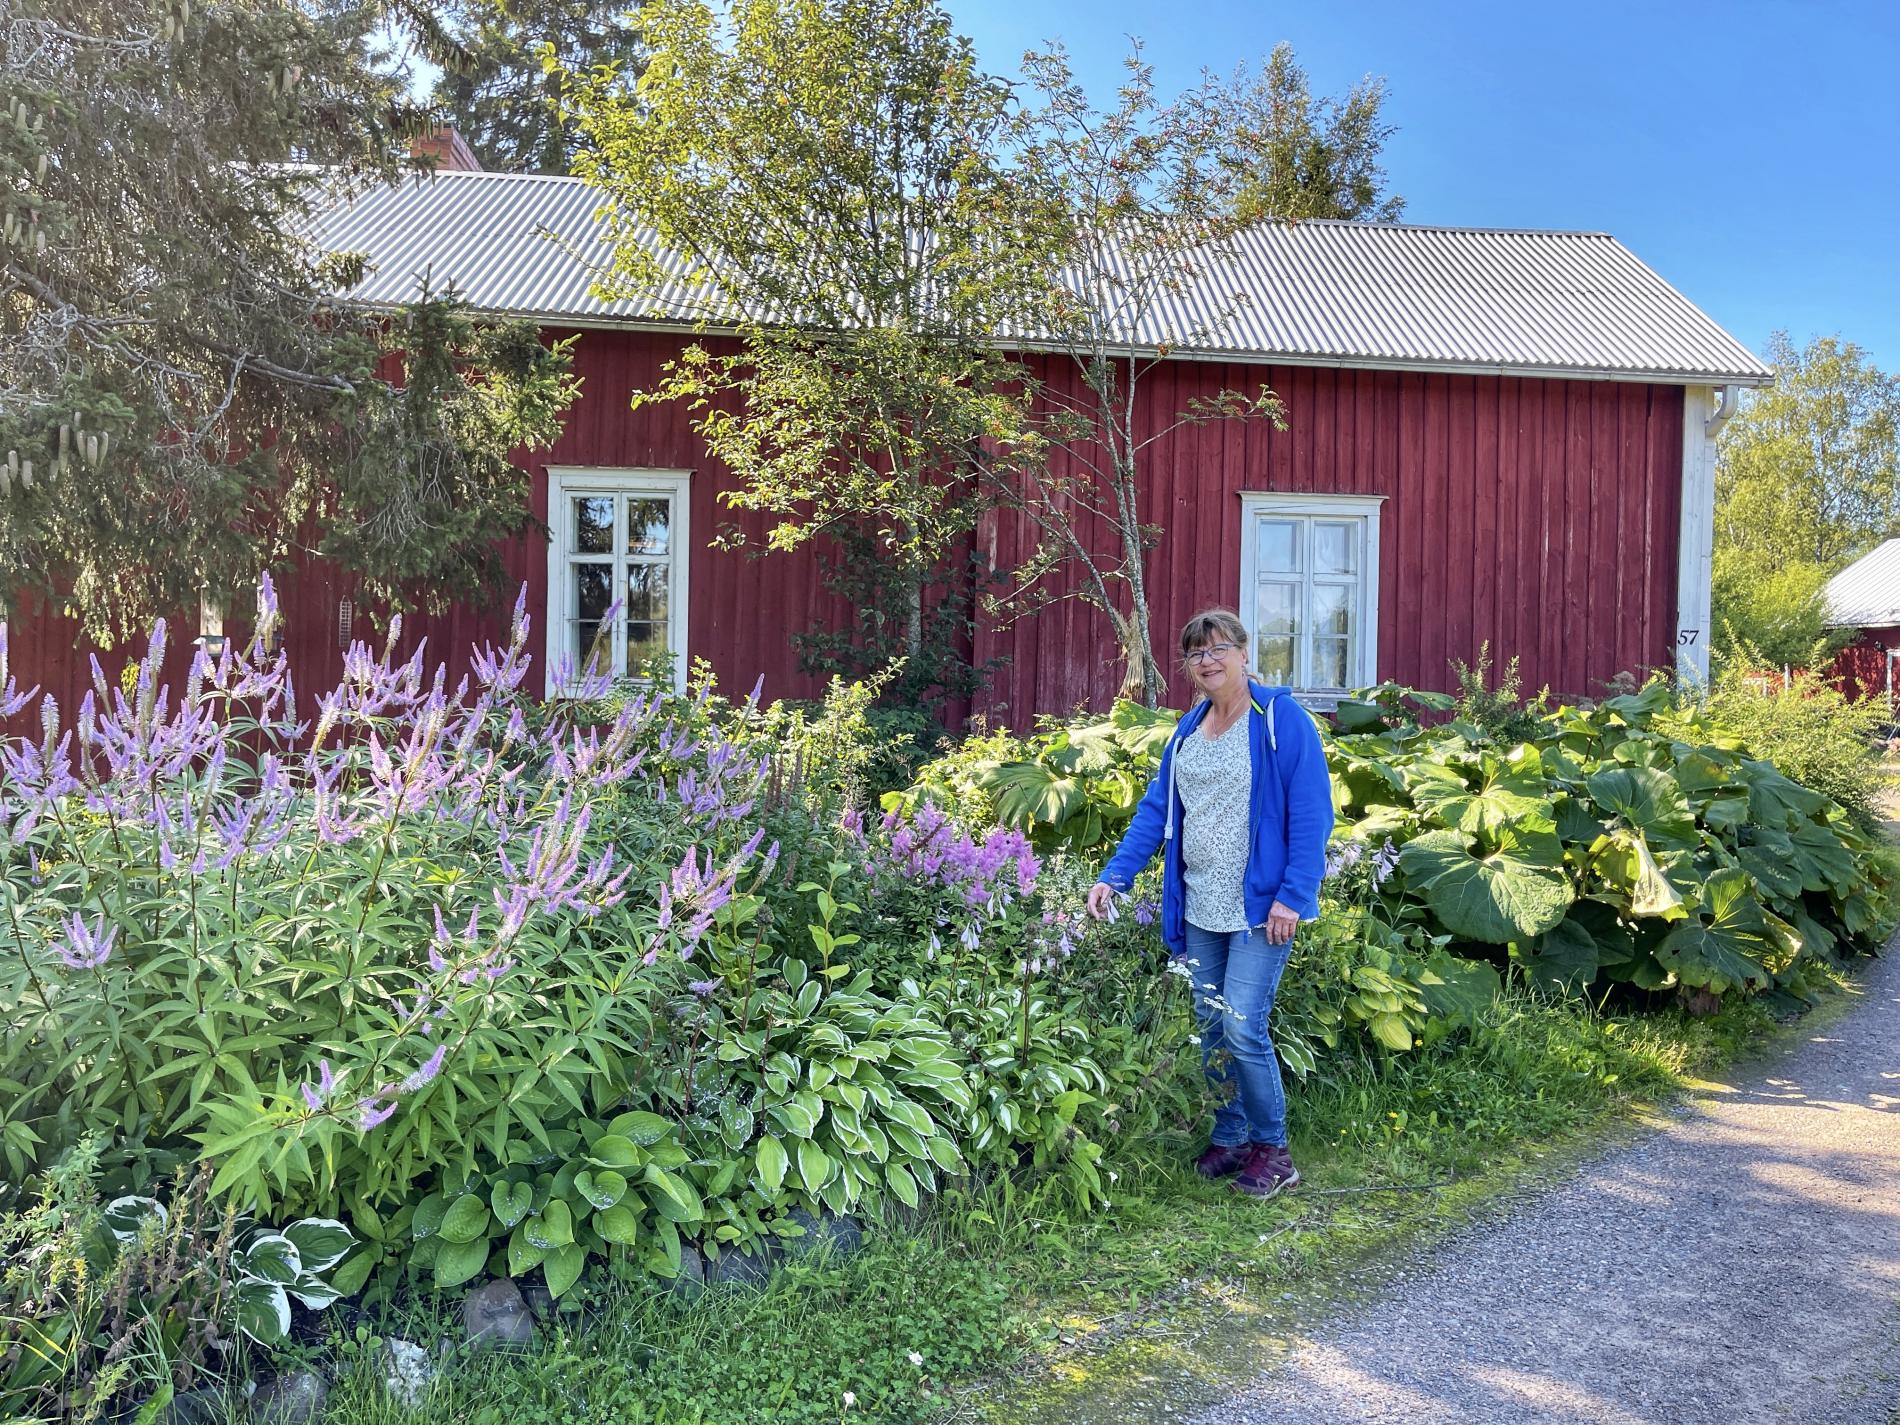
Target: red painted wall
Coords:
[(1540, 515), (1860, 669)]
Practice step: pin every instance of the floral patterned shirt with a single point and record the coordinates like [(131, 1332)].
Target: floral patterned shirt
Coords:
[(1214, 778)]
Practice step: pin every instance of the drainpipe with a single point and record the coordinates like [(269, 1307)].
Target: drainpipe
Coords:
[(1730, 403)]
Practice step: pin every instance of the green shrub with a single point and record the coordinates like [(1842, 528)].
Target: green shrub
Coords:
[(1815, 734)]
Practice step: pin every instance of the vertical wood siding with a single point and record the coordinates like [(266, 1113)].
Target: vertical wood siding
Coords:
[(1538, 515)]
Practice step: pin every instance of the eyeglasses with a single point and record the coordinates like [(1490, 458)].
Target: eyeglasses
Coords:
[(1213, 650)]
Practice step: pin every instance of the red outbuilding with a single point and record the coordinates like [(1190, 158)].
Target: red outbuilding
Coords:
[(1491, 436), (1865, 598)]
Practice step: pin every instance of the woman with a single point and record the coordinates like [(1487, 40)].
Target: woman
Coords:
[(1243, 805)]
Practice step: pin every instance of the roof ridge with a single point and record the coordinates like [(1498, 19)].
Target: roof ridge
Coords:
[(1368, 225)]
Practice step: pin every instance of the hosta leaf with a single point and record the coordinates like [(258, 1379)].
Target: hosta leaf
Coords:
[(676, 1201), (313, 1291), (321, 1242), (602, 1187), (466, 1220), (523, 1255), (616, 1150), (617, 1224), (1722, 948), (772, 1164), (1513, 892), (1391, 1031), (263, 1312), (735, 1123), (902, 1183), (456, 1262), (428, 1216), (125, 1217), (563, 1268), (272, 1257), (510, 1202), (814, 1165)]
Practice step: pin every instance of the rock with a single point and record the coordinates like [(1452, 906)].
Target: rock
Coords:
[(827, 1232), (737, 1268), (495, 1315), (294, 1399), (692, 1278), (407, 1372)]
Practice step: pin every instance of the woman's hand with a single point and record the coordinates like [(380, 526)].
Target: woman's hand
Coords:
[(1101, 897), (1281, 923)]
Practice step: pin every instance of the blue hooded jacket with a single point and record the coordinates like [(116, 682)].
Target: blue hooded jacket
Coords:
[(1292, 814)]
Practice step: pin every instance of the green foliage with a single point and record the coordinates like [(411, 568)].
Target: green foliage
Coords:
[(504, 86), (1071, 785), (174, 355), (1808, 472), (1638, 841), (783, 1355), (99, 1300), (1816, 734), (1769, 616), (1306, 157), (1499, 712)]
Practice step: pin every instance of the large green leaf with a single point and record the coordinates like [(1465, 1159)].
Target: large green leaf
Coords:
[(1027, 794), (815, 1166), (466, 1220), (1770, 858), (1648, 800), (1826, 864), (456, 1262), (1564, 958), (1623, 860), (1515, 891), (1774, 800), (563, 1268), (1722, 949), (1143, 732), (1458, 990), (1501, 792), (772, 1164)]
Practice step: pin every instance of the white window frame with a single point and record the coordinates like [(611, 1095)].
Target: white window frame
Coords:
[(1365, 508), (567, 481)]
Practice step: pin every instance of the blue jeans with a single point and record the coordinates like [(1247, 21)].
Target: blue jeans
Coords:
[(1235, 976)]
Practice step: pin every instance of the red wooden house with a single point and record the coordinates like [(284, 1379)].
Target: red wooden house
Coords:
[(1491, 436), (1865, 597)]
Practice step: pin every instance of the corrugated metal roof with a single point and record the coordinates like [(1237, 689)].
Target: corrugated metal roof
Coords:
[(1332, 293), (1866, 594)]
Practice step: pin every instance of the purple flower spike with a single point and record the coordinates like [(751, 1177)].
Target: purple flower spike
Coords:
[(426, 1071), (87, 947), (374, 1113)]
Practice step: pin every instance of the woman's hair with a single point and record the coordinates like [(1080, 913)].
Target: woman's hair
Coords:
[(1213, 626)]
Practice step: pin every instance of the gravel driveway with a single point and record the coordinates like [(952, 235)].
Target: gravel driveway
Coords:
[(1740, 1265)]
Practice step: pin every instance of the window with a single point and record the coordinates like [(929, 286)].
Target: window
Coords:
[(619, 536), (1309, 589)]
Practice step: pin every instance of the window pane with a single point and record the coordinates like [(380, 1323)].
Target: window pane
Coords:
[(648, 526), (593, 645), (1279, 546), (1276, 659), (644, 641), (1330, 662), (593, 589), (1332, 609), (1335, 548), (646, 592), (1278, 610), (594, 524)]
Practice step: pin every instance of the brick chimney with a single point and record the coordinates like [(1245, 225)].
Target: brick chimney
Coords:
[(445, 148)]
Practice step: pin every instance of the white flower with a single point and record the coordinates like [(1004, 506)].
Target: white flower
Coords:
[(849, 1400), (916, 1358), (1113, 1176)]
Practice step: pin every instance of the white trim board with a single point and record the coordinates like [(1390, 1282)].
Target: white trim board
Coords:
[(566, 481), (1695, 549)]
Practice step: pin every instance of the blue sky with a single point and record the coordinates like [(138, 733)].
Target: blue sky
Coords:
[(1750, 152)]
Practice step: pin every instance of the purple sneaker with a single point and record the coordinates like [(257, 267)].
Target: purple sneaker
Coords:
[(1269, 1170), (1222, 1160)]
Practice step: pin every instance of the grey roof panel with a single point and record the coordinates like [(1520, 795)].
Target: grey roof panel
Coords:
[(1866, 594), (1553, 303)]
